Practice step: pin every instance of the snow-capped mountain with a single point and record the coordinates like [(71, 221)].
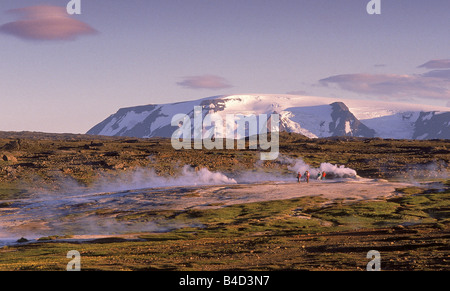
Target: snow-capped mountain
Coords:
[(311, 116)]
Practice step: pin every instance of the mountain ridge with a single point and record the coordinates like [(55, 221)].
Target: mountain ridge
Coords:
[(311, 116)]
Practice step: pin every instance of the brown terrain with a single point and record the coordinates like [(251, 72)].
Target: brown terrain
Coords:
[(398, 206)]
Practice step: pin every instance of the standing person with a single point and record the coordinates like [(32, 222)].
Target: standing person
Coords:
[(319, 176), (299, 176), (324, 175), (307, 176)]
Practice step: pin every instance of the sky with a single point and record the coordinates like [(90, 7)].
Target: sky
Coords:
[(66, 73)]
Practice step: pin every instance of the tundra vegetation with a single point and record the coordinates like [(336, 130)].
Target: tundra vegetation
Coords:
[(409, 229)]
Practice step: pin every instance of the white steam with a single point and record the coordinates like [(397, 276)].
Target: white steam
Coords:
[(433, 170), (143, 178), (146, 178), (68, 207), (332, 171)]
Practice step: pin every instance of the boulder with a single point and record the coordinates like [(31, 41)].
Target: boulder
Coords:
[(7, 157)]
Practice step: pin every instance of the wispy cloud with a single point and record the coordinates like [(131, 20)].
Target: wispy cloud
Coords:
[(45, 23), (434, 84), (436, 64), (441, 74), (204, 82)]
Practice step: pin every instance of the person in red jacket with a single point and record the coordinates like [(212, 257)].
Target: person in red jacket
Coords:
[(299, 176)]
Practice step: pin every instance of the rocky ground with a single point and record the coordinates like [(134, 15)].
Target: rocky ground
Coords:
[(29, 156), (410, 229)]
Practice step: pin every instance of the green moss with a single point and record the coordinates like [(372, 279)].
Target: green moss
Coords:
[(11, 191), (251, 213), (410, 190), (54, 237), (254, 228)]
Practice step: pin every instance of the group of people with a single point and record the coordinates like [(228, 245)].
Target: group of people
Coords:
[(320, 176)]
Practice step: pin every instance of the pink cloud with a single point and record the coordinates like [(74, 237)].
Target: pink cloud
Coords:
[(45, 23), (205, 82)]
